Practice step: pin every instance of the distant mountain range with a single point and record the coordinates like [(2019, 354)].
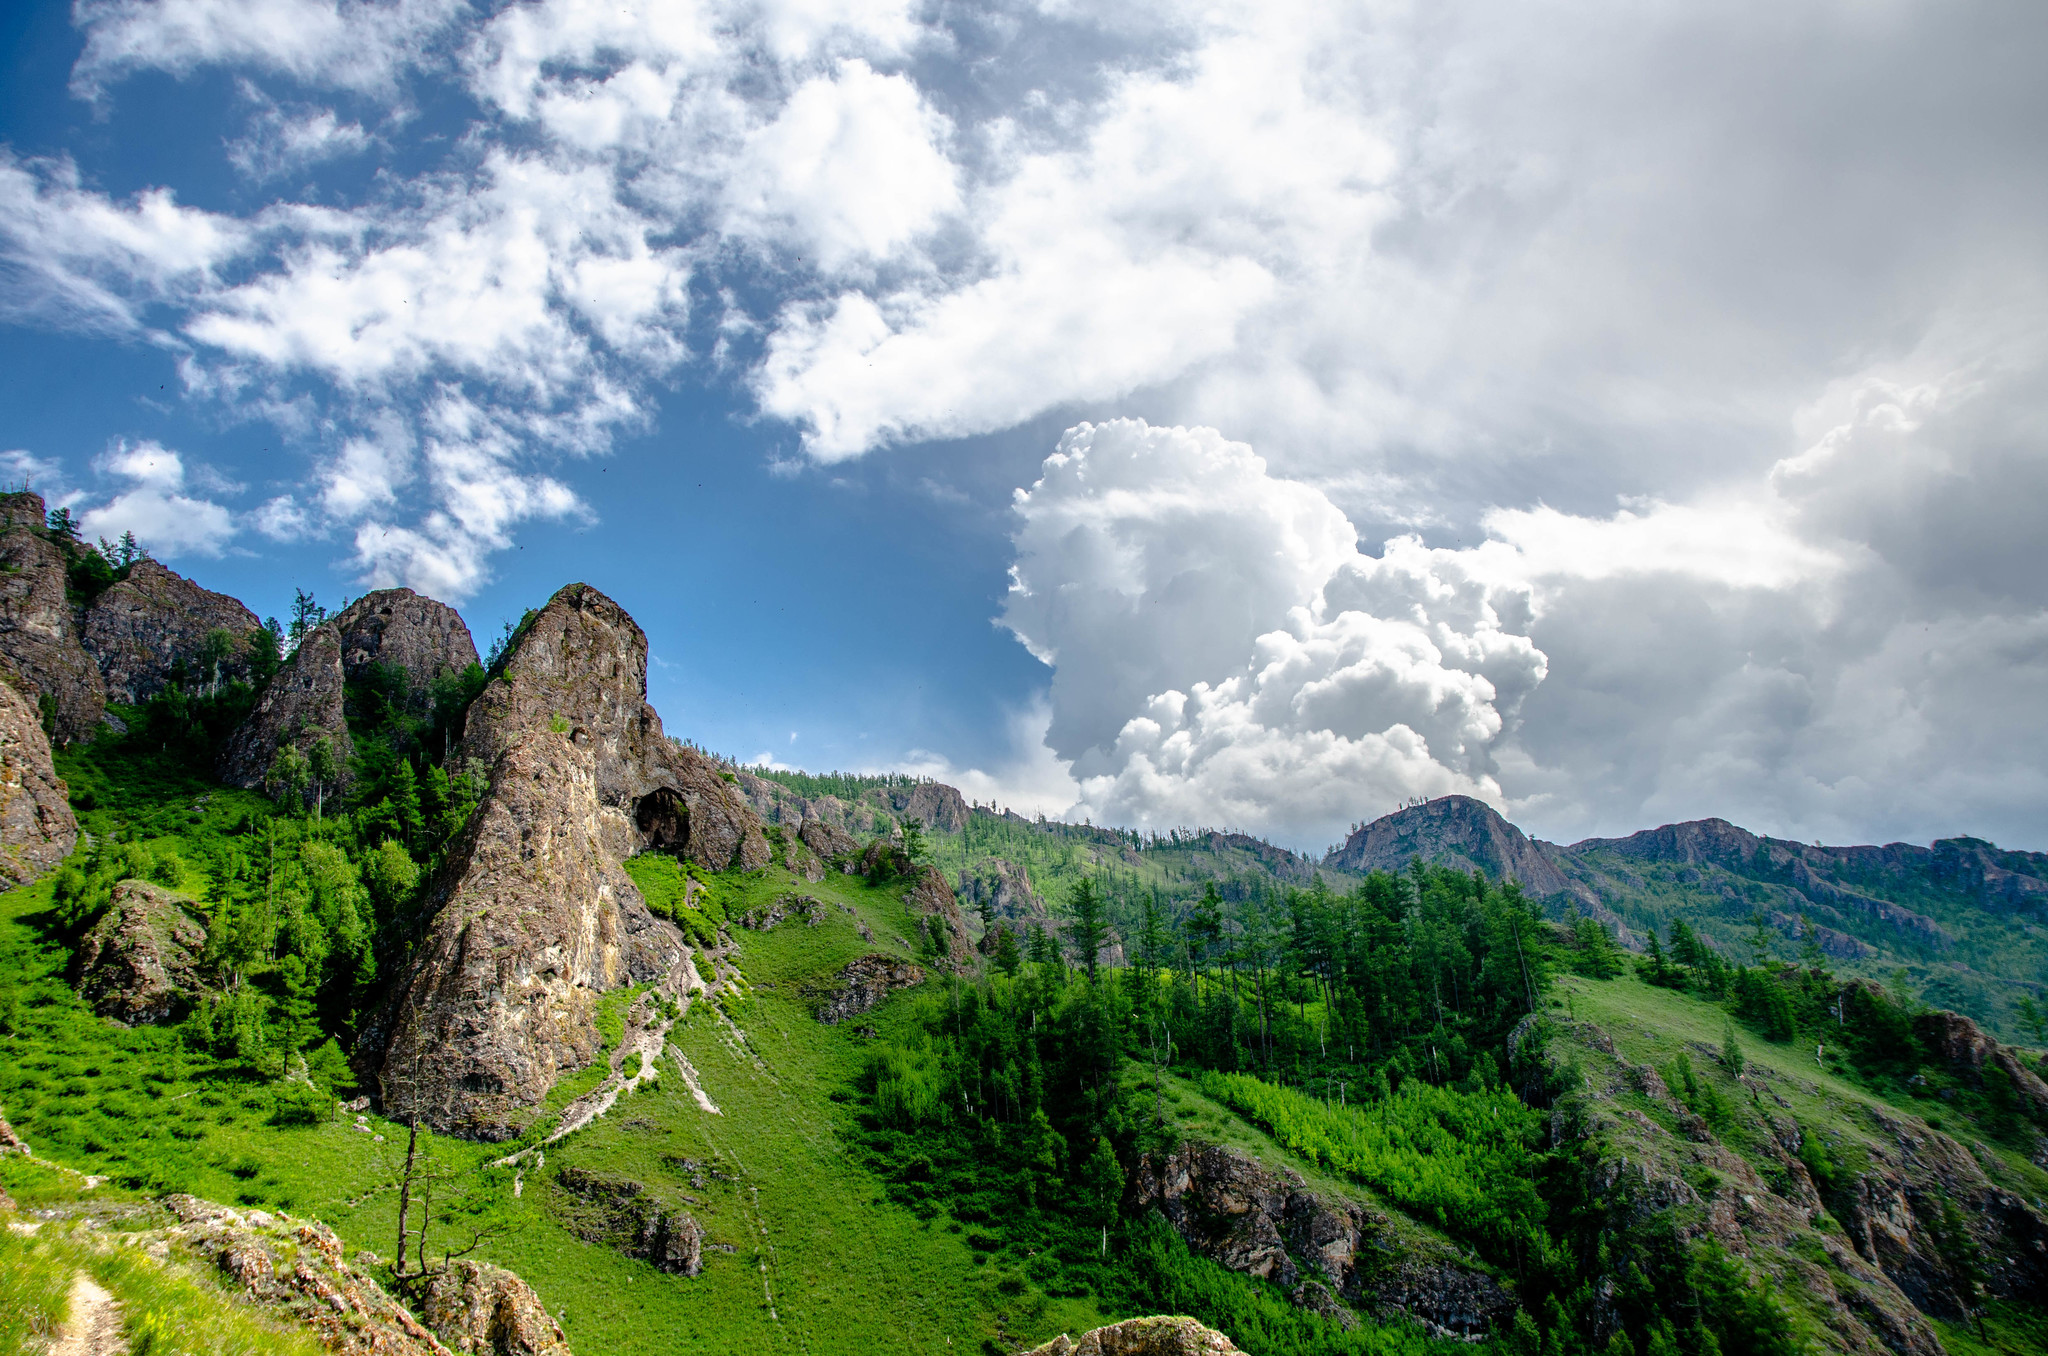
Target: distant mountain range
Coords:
[(1963, 916)]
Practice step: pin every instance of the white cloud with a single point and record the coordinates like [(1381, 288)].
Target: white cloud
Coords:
[(280, 142), (282, 519), (360, 45), (167, 521), (851, 168)]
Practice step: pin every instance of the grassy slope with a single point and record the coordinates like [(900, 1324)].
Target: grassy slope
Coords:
[(1650, 1025)]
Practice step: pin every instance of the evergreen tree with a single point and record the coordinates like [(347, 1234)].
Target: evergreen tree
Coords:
[(1089, 929), (1007, 958)]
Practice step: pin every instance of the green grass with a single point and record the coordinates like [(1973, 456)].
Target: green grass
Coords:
[(1651, 1025)]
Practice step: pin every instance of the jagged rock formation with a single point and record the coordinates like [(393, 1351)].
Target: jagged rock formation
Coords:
[(932, 899), (149, 625), (800, 859), (37, 828), (932, 804), (407, 630), (1267, 1223), (1162, 1336), (863, 984), (829, 841), (38, 629), (1871, 1282), (1001, 891), (581, 660), (303, 705), (618, 1212), (533, 919), (1451, 830), (140, 962)]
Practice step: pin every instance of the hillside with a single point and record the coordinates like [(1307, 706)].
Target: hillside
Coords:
[(361, 991)]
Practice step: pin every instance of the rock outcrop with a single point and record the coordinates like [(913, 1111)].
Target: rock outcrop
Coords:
[(303, 705), (481, 1310), (829, 841), (155, 623), (140, 962), (932, 900), (533, 919), (296, 1270), (1264, 1222), (581, 661), (406, 630), (863, 984), (1162, 1336), (37, 828), (38, 629), (618, 1212), (1451, 831), (1968, 1049), (932, 804)]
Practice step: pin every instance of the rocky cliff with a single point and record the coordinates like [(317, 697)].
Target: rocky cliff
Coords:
[(303, 704), (38, 629), (1266, 1222), (581, 662), (407, 630), (156, 622), (1453, 831), (37, 828), (532, 920)]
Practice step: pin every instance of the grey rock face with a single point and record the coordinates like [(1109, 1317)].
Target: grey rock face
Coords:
[(397, 626), (303, 704), (624, 1214), (1253, 1219), (37, 828), (140, 962), (1453, 831), (38, 632), (583, 661), (141, 629), (533, 920), (864, 983), (932, 898), (829, 841)]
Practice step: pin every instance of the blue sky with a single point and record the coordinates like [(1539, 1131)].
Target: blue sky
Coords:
[(1248, 415)]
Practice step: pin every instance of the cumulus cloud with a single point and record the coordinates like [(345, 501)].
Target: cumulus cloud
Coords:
[(285, 140), (154, 506)]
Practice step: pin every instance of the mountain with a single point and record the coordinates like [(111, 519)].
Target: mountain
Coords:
[(374, 1001)]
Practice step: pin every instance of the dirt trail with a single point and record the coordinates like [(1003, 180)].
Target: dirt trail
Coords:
[(94, 1327)]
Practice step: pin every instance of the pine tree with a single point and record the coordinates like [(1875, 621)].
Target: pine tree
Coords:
[(1007, 957), (1089, 929)]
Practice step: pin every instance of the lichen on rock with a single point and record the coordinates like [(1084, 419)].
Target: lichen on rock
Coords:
[(38, 628)]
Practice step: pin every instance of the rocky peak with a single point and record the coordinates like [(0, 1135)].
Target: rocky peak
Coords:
[(38, 630), (399, 627), (303, 704), (144, 627), (1451, 831), (532, 920), (37, 828), (1696, 842), (581, 661), (933, 804)]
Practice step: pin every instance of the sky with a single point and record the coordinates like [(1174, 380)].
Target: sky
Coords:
[(1247, 415)]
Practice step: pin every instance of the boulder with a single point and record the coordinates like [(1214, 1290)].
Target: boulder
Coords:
[(149, 625), (399, 627), (482, 1310), (140, 962), (302, 705), (581, 661), (621, 1213), (533, 919), (11, 1143), (1161, 1336), (863, 984), (37, 828), (38, 630), (1265, 1222)]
